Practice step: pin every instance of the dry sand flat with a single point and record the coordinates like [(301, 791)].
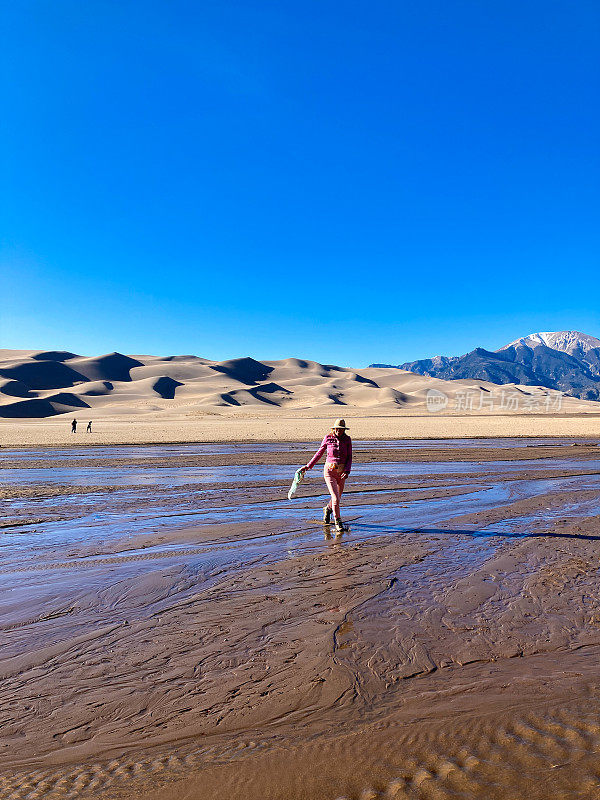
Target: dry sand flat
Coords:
[(235, 426), (181, 630)]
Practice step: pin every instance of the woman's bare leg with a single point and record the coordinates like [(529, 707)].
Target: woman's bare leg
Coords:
[(335, 484)]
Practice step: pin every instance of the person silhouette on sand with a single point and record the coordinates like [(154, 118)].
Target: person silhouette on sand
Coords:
[(337, 468), (74, 426), (89, 427)]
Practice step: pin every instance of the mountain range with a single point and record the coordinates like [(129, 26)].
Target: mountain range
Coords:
[(566, 361), (39, 384)]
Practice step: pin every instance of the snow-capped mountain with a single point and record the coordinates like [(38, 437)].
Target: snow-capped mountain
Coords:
[(571, 342), (567, 361)]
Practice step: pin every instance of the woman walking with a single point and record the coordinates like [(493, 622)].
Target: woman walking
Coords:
[(337, 468)]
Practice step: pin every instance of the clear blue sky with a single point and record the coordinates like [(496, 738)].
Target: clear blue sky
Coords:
[(344, 181)]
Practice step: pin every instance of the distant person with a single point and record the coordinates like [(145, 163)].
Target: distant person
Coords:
[(74, 426), (337, 468), (89, 427)]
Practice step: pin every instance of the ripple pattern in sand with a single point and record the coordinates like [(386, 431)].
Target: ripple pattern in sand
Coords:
[(482, 759)]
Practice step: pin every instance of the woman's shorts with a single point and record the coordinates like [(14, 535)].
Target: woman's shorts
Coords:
[(334, 466)]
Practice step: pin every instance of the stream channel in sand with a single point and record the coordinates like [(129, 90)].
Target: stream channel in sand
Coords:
[(172, 626)]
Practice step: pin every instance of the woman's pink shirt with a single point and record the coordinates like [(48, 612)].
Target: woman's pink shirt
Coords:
[(338, 450)]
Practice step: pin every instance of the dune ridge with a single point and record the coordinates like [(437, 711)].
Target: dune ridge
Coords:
[(41, 384)]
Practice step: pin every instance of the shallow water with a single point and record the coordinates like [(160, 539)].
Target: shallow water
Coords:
[(150, 500), (181, 596), (224, 448), (166, 477)]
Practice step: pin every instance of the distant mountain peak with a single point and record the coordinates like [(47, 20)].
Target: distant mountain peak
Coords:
[(564, 341), (566, 361)]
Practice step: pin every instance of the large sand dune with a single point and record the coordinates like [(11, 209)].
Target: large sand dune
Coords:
[(47, 383)]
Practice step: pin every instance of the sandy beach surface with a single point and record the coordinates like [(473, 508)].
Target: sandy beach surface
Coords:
[(278, 426), (173, 626)]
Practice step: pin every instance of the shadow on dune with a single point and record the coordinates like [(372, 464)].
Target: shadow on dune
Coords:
[(97, 389), (40, 374), (43, 374), (354, 376), (14, 389), (182, 358), (34, 409), (269, 388), (111, 367), (238, 397), (244, 370), (67, 399), (54, 355), (165, 387)]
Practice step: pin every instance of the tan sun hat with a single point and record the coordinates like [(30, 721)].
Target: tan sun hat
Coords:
[(340, 423)]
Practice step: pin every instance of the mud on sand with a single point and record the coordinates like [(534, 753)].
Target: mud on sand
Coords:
[(181, 630)]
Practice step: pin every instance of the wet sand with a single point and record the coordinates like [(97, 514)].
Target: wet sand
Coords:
[(173, 627)]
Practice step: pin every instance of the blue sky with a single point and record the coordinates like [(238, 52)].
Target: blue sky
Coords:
[(348, 182)]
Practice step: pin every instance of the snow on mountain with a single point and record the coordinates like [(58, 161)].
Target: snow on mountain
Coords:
[(566, 361), (572, 342)]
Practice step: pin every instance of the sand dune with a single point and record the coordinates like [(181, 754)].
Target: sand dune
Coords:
[(14, 388), (244, 370), (53, 355), (33, 384), (111, 367), (97, 388), (38, 375)]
